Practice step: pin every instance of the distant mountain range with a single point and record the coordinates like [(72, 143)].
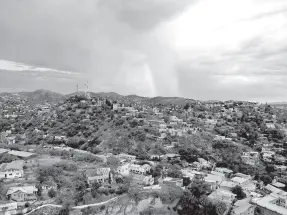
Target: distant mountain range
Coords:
[(278, 104), (42, 96), (37, 97)]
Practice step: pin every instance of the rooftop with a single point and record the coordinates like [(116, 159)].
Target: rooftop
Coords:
[(273, 189), (215, 178), (227, 184), (25, 189), (241, 206), (278, 185), (3, 150), (20, 153), (17, 165), (239, 180), (265, 202)]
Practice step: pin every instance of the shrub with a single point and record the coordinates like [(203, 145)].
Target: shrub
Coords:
[(112, 191), (52, 193), (239, 192)]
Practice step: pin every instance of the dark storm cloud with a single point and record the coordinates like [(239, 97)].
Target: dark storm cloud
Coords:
[(87, 36), (145, 14)]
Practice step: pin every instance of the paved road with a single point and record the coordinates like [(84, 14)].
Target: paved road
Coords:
[(76, 207)]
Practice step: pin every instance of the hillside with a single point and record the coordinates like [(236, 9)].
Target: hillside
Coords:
[(36, 97)]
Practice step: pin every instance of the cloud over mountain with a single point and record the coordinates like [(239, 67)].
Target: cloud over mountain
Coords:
[(201, 49)]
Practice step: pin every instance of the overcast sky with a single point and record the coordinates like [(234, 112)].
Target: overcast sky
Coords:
[(207, 49)]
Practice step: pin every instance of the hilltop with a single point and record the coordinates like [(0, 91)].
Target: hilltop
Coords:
[(42, 96), (35, 97)]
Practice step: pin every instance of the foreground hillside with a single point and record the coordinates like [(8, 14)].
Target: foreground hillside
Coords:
[(162, 155)]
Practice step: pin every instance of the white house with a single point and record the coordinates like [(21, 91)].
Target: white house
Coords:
[(103, 175), (140, 169), (251, 158), (126, 156), (12, 170), (124, 170)]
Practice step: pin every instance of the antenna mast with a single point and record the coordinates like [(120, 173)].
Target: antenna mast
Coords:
[(87, 93)]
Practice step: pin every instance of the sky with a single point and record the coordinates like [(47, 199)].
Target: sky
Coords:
[(207, 50)]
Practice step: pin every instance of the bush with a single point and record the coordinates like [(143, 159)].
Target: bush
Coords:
[(85, 157), (121, 190), (55, 152), (112, 191), (27, 204), (95, 189), (52, 193), (239, 192), (104, 191)]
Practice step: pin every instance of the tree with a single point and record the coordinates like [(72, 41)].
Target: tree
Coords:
[(80, 185), (39, 190), (239, 192), (52, 193), (199, 188), (157, 171), (266, 179), (94, 189), (113, 162), (174, 172), (65, 210), (186, 181)]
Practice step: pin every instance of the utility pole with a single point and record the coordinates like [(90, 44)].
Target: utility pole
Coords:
[(77, 89)]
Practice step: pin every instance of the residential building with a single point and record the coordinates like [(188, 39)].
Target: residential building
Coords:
[(102, 176), (124, 170), (273, 204), (245, 182), (8, 208), (126, 156), (270, 125), (227, 185), (272, 189), (226, 171), (49, 185), (21, 154), (11, 140), (240, 181), (214, 180), (170, 156), (12, 170), (173, 181), (140, 169), (251, 158), (21, 194), (146, 180), (243, 207), (222, 195), (204, 163)]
